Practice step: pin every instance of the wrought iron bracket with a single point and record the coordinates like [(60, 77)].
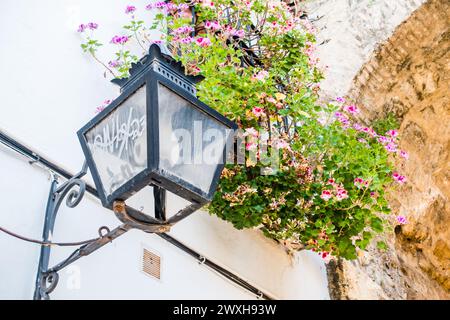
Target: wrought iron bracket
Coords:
[(73, 191)]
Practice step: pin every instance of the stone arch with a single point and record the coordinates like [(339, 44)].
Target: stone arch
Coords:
[(409, 75)]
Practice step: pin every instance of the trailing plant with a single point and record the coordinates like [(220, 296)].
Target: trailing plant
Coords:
[(313, 177)]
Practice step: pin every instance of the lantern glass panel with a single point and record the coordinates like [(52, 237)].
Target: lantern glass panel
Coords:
[(118, 143), (191, 142)]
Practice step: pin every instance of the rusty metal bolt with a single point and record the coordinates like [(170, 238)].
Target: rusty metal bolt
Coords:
[(119, 206)]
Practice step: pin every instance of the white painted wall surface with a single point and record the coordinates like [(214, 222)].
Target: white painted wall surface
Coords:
[(48, 90)]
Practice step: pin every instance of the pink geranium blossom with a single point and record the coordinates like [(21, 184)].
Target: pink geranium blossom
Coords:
[(261, 76), (203, 42), (183, 29), (341, 194), (130, 9), (157, 5), (114, 63), (404, 154), (399, 178), (239, 33), (326, 195), (186, 40), (351, 109), (391, 147), (92, 25), (82, 27), (120, 39), (402, 220), (212, 25), (257, 111), (207, 3), (392, 133), (360, 182), (383, 139)]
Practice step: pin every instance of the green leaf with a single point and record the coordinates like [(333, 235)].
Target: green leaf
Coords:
[(382, 245)]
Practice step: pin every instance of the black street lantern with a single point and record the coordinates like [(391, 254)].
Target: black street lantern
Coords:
[(157, 133)]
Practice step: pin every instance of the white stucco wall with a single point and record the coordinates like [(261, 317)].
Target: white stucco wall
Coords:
[(49, 89)]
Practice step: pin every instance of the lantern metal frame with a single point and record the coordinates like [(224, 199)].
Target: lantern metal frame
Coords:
[(153, 70)]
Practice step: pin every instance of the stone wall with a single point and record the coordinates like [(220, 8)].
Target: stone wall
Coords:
[(409, 75), (349, 31)]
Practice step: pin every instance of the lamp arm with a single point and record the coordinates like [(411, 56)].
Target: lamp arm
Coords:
[(73, 191), (50, 278)]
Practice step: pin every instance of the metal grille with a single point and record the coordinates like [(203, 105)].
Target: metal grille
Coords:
[(151, 264)]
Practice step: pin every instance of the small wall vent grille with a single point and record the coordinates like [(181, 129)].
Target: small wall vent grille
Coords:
[(151, 264)]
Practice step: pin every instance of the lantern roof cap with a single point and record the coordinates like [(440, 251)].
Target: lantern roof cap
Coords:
[(162, 54)]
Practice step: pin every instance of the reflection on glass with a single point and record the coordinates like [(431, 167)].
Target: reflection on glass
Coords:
[(191, 142), (119, 142)]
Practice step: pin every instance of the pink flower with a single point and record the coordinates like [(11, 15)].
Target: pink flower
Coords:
[(351, 109), (331, 181), (261, 76), (340, 99), (239, 33), (343, 119), (186, 40), (130, 9), (119, 39), (391, 147), (370, 132), (399, 178), (195, 70), (404, 154), (326, 256), (184, 29), (402, 220), (207, 3), (360, 182), (392, 133), (257, 111), (181, 7), (92, 25), (114, 63), (157, 5), (271, 100), (82, 27), (326, 195), (383, 139), (341, 194), (212, 25), (203, 42)]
